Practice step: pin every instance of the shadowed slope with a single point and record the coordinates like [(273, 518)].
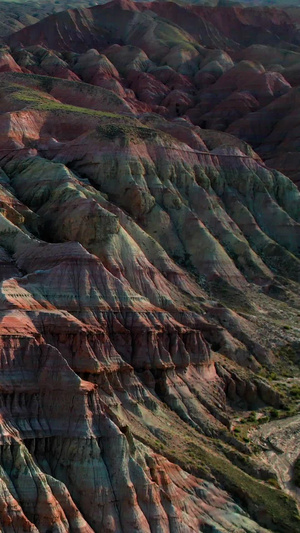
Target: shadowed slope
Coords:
[(149, 274)]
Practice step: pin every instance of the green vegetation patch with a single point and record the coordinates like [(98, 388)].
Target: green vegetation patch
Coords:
[(172, 35), (260, 498), (38, 101), (127, 132), (112, 126), (264, 501), (35, 99), (48, 83)]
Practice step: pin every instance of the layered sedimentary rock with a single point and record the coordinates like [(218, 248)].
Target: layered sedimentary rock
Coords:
[(16, 15), (228, 68), (148, 266)]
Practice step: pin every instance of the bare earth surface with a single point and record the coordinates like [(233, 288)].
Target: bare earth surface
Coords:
[(280, 440), (149, 269)]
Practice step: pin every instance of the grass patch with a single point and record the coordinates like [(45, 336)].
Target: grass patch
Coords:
[(172, 35), (127, 132), (264, 501), (288, 357), (42, 103), (36, 99), (259, 498), (295, 392), (48, 83)]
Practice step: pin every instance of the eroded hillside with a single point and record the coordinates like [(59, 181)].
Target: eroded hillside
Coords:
[(149, 274)]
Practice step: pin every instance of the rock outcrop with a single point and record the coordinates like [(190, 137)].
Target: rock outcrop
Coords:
[(226, 68), (149, 260)]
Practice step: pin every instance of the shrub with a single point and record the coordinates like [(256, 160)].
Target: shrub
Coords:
[(296, 473), (274, 413)]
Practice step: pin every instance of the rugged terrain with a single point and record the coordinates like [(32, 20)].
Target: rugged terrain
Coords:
[(149, 298), (16, 14)]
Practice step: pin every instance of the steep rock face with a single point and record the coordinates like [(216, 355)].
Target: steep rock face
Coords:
[(143, 264)]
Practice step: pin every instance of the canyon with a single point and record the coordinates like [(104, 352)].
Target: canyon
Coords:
[(150, 269)]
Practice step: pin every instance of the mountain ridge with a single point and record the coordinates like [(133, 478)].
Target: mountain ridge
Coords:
[(149, 262)]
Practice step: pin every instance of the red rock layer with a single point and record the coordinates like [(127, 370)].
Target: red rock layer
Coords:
[(139, 256)]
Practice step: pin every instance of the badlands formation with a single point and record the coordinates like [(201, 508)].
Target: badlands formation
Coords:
[(149, 250)]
